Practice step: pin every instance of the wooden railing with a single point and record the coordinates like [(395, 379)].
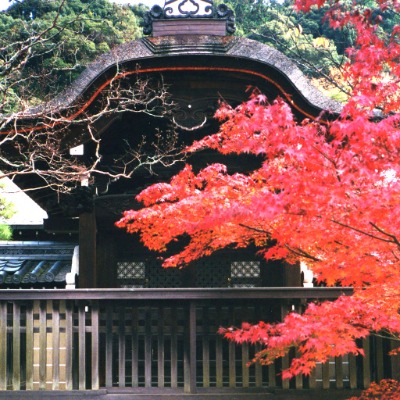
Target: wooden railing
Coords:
[(88, 339)]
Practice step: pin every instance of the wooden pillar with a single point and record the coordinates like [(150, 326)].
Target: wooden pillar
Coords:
[(292, 275), (87, 250), (279, 273), (106, 261)]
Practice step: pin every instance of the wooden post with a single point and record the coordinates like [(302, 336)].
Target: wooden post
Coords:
[(87, 250)]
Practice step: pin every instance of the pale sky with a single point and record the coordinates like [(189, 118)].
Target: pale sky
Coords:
[(5, 3)]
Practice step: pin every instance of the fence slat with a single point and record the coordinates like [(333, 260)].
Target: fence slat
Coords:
[(285, 365), (339, 372), (121, 347), (380, 373), (206, 349), (394, 360), (147, 348), (186, 351), (298, 378), (42, 344), (259, 376), (55, 331), (219, 356), (312, 379), (135, 347), (16, 347), (174, 347), (82, 346), (272, 375), (245, 369), (232, 364), (109, 351), (95, 345), (160, 350), (192, 347), (366, 363), (29, 346), (325, 375), (68, 345), (353, 371), (3, 345), (231, 349)]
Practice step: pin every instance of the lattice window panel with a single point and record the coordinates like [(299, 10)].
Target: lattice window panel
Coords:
[(212, 273), (208, 273), (159, 277), (245, 274), (131, 274)]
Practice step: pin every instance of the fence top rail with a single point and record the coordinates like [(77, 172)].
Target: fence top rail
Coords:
[(176, 293)]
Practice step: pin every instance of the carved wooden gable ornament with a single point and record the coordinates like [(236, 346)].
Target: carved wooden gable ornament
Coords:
[(205, 18)]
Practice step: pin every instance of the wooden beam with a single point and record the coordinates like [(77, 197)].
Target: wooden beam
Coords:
[(177, 294)]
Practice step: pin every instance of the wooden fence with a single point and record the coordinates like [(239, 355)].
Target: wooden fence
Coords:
[(145, 338)]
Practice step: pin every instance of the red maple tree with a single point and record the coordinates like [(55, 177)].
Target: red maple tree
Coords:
[(325, 194)]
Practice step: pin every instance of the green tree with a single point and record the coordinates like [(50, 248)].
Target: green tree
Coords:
[(299, 36), (6, 212), (45, 45)]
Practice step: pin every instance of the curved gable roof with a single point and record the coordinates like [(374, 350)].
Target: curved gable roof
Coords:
[(164, 53)]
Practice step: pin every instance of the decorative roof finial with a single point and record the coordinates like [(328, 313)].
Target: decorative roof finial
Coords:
[(177, 9)]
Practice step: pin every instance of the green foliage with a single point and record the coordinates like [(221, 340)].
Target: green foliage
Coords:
[(6, 212), (46, 44), (302, 37), (314, 54), (249, 14)]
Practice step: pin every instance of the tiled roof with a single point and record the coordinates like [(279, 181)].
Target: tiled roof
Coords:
[(34, 264)]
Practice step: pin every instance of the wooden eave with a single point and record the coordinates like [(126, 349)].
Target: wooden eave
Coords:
[(157, 55)]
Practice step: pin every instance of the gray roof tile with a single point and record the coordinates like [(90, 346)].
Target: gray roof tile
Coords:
[(34, 263)]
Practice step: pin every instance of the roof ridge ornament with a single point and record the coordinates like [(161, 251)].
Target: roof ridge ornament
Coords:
[(188, 8), (177, 9)]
